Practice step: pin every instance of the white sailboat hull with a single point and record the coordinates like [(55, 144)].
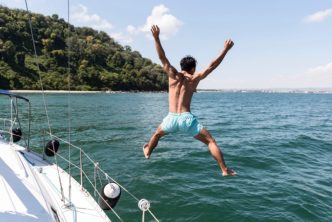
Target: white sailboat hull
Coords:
[(30, 190)]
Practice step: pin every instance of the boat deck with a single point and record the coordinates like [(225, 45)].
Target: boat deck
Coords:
[(30, 190)]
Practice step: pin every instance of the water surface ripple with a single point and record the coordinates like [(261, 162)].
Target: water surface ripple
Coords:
[(280, 145)]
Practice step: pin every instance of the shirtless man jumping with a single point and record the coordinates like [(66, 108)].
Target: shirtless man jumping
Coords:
[(181, 86)]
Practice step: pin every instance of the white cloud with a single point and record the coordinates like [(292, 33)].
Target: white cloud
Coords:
[(81, 16), (132, 29), (321, 70), (123, 38), (318, 16), (160, 16), (320, 76)]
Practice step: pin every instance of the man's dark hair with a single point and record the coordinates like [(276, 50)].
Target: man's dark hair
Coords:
[(187, 63)]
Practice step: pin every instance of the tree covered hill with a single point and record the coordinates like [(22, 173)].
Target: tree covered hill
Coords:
[(97, 62)]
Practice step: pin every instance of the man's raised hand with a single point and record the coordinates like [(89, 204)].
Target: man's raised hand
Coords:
[(228, 44), (155, 31)]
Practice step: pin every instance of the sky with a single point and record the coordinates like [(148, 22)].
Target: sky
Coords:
[(278, 44)]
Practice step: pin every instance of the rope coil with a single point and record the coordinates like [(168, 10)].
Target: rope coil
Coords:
[(144, 205)]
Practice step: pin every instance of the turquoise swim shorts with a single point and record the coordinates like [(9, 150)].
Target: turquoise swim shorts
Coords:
[(183, 122)]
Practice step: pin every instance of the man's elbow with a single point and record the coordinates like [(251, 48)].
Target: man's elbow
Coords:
[(165, 69)]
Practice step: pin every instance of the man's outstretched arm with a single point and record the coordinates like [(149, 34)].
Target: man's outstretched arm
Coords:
[(169, 69), (216, 62)]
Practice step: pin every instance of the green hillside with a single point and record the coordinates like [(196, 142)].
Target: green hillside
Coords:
[(97, 62)]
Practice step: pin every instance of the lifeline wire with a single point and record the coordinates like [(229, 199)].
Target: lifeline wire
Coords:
[(41, 83), (69, 107)]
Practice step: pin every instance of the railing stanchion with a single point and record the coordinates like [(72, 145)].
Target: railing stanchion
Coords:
[(81, 169)]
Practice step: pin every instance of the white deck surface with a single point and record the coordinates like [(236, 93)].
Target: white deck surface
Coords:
[(29, 188)]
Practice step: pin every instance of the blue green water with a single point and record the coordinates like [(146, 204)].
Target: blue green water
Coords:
[(280, 144)]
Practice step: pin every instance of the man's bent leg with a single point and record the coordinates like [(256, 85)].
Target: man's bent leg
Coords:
[(205, 137), (148, 148)]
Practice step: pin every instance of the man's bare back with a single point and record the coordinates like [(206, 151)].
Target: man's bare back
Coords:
[(182, 85), (180, 91)]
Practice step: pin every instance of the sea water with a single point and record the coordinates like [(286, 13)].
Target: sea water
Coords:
[(280, 144)]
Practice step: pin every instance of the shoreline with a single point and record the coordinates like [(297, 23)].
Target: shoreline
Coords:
[(53, 91), (77, 91), (304, 91)]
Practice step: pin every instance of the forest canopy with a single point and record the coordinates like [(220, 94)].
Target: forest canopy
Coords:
[(97, 61)]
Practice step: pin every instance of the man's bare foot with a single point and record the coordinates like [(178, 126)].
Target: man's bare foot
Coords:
[(147, 156), (228, 172)]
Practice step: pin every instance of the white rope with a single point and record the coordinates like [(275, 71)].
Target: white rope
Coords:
[(42, 88), (95, 175), (81, 169), (12, 121), (99, 177), (37, 63), (155, 218), (69, 103)]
